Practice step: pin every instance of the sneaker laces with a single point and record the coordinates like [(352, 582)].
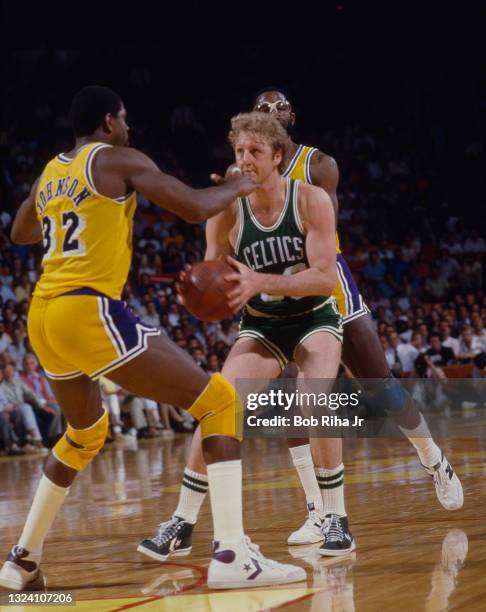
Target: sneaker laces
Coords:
[(254, 549), (314, 519), (332, 529), (167, 531)]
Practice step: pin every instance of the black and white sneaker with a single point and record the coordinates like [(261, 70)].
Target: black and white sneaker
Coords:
[(173, 539), (18, 573), (337, 537)]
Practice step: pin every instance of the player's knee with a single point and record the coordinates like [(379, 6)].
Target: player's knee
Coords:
[(78, 447), (219, 409), (391, 396)]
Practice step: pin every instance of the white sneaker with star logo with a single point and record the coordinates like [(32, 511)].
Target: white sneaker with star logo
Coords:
[(242, 565)]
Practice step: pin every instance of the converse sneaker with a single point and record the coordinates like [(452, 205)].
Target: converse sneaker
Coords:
[(19, 574), (240, 564), (447, 485), (174, 539), (311, 530), (337, 537)]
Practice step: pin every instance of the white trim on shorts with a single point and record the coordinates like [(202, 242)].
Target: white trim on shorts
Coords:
[(66, 376), (270, 346), (323, 328), (364, 310), (143, 334)]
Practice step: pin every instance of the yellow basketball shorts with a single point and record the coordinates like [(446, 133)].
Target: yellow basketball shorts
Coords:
[(349, 300), (85, 332)]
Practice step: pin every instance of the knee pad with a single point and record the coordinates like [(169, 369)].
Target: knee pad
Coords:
[(391, 396), (219, 409), (78, 447)]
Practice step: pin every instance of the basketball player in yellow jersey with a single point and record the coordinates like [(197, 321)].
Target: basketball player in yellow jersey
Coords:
[(362, 351), (82, 208)]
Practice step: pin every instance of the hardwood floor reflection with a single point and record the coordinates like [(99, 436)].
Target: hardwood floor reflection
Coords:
[(411, 554)]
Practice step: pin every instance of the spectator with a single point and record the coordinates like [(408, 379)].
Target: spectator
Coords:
[(16, 350), (469, 346), (174, 315), (5, 339), (398, 266), (446, 338), (404, 354), (479, 332), (439, 355), (134, 408), (228, 333), (110, 398), (374, 270), (388, 351), (8, 439), (32, 377), (21, 413), (151, 316), (418, 342), (213, 363), (198, 355), (437, 286)]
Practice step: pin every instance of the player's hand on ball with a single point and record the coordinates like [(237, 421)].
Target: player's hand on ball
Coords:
[(245, 184), (247, 284)]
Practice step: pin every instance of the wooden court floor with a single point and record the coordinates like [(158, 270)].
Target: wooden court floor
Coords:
[(411, 554)]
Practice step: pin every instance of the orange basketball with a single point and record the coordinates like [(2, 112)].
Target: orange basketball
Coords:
[(204, 290)]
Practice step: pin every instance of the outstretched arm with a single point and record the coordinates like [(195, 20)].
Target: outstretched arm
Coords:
[(140, 173), (26, 228)]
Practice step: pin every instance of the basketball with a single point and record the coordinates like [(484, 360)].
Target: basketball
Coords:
[(204, 290)]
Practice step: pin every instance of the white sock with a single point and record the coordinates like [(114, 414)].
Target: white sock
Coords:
[(194, 487), (331, 483), (421, 438), (302, 460), (47, 501), (225, 483)]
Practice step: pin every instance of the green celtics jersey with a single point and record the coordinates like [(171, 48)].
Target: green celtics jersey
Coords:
[(279, 249)]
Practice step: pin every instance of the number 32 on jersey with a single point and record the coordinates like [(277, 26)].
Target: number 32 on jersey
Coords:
[(72, 225)]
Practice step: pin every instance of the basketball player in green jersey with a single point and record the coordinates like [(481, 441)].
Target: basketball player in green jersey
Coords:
[(363, 354), (283, 244)]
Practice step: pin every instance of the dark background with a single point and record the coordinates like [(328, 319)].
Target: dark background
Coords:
[(414, 74)]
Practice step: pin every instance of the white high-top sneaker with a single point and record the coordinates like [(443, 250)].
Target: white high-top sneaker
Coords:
[(310, 532), (241, 565), (20, 574), (447, 485)]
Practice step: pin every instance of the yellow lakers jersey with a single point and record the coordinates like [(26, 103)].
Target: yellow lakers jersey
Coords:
[(299, 169), (87, 236)]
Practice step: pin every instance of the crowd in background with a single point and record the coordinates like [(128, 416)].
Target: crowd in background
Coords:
[(416, 257)]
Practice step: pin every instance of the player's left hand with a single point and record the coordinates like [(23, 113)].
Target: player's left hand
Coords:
[(247, 284)]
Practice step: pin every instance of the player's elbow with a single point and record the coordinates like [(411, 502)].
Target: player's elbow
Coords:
[(193, 216), (17, 236)]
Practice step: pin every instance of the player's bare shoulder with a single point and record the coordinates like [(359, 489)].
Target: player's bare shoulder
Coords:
[(113, 158), (312, 202), (324, 171)]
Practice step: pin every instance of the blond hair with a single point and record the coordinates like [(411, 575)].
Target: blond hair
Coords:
[(261, 124)]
